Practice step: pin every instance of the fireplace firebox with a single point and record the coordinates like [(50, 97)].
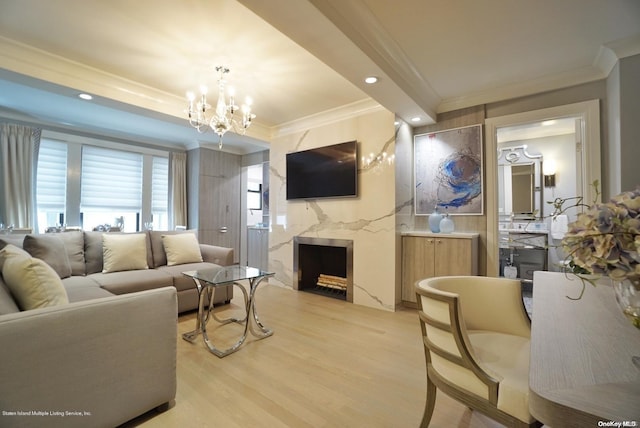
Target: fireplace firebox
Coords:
[(323, 266)]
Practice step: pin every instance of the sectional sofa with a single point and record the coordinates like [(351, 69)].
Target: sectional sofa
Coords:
[(106, 353), (78, 258)]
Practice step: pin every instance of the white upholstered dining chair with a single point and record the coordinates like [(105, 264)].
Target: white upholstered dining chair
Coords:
[(476, 339)]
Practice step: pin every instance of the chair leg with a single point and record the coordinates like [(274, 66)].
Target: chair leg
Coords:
[(430, 404)]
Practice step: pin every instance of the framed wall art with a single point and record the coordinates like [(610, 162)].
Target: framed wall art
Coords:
[(448, 171)]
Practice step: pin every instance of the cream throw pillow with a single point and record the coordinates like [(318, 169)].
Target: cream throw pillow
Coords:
[(181, 248), (124, 252), (33, 283), (10, 250)]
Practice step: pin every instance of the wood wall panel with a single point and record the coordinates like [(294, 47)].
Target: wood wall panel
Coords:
[(214, 197), (463, 223)]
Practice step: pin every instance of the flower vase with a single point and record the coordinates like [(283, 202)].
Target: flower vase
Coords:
[(446, 224), (628, 298), (434, 221)]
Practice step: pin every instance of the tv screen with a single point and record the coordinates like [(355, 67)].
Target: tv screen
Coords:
[(324, 172)]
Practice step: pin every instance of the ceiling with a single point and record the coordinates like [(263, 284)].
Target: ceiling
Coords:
[(300, 60)]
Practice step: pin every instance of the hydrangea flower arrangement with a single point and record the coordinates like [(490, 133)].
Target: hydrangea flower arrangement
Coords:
[(605, 239)]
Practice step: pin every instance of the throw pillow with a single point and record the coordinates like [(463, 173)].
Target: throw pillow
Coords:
[(11, 239), (124, 252), (33, 283), (74, 243), (181, 248), (10, 250), (52, 250)]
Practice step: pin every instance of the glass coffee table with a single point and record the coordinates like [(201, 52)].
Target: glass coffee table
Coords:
[(206, 281)]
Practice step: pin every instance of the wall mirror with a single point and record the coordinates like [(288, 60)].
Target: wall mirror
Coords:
[(519, 183)]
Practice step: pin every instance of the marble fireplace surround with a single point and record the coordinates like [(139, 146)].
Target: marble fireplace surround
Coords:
[(369, 219), (347, 244)]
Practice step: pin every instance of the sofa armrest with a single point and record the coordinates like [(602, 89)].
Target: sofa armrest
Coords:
[(109, 359), (222, 256)]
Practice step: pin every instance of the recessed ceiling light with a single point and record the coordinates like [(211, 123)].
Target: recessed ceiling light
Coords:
[(416, 119), (370, 80), (85, 96), (548, 122)]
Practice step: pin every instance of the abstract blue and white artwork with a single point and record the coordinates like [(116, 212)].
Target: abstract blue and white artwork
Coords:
[(448, 171)]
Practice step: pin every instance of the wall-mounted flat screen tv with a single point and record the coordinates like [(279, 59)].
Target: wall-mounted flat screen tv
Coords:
[(323, 172)]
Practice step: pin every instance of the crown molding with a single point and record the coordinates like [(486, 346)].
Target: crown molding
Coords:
[(610, 53), (36, 63), (522, 89), (327, 117), (57, 70), (355, 20), (607, 57)]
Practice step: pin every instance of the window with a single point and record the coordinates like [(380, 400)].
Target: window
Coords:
[(160, 193), (51, 183), (101, 183), (254, 196), (111, 188)]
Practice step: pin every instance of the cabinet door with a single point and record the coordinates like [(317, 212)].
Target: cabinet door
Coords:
[(417, 264), (258, 248), (453, 257), (219, 197)]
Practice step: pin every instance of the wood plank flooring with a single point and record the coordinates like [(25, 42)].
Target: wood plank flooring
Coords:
[(329, 364)]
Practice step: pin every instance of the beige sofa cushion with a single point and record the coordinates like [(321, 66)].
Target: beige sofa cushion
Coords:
[(10, 250), (7, 304), (157, 246), (12, 239), (32, 282), (74, 244), (132, 281), (81, 288), (123, 252), (180, 281), (51, 249), (181, 248), (93, 251)]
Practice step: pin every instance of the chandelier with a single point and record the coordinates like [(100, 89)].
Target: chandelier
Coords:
[(224, 117)]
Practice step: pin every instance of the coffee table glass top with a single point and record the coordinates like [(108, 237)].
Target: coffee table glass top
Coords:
[(226, 274)]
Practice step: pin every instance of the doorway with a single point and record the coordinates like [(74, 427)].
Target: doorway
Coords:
[(255, 216), (580, 168)]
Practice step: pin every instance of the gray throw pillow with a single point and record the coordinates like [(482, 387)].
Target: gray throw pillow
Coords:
[(74, 243), (50, 249)]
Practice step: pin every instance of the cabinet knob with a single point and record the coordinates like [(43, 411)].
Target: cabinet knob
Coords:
[(439, 241)]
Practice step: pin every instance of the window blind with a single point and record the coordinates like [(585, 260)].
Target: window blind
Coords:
[(160, 185), (111, 180), (51, 177)]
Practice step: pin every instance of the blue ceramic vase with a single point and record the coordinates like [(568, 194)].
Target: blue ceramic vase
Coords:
[(434, 221), (446, 224)]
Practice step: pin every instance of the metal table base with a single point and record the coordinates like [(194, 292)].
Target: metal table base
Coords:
[(251, 320)]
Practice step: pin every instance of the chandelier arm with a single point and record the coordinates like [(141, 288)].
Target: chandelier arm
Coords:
[(224, 118)]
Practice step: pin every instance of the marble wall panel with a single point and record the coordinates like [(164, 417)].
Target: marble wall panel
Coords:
[(368, 219)]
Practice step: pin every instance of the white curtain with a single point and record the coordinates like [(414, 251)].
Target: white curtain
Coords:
[(19, 146), (179, 189)]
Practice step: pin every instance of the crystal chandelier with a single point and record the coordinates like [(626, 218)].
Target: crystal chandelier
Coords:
[(224, 117)]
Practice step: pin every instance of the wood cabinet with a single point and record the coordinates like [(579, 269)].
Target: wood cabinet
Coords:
[(258, 247), (213, 183), (427, 255)]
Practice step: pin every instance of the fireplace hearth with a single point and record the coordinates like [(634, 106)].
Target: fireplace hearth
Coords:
[(323, 266)]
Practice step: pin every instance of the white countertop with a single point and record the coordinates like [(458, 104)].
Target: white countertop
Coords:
[(537, 231), (427, 233)]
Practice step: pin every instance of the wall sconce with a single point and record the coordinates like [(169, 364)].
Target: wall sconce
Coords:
[(549, 172)]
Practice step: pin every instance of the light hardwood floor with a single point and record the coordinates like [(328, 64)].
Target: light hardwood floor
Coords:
[(329, 364)]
